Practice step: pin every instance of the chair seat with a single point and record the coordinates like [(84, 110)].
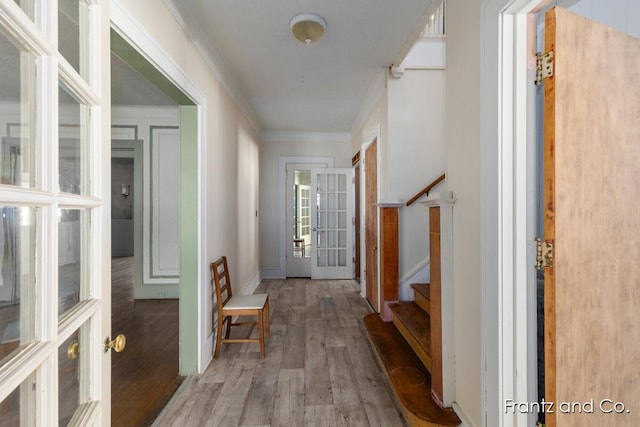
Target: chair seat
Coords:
[(246, 302)]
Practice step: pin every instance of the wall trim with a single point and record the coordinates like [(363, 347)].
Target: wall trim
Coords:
[(405, 291), (252, 285), (272, 273), (214, 59), (193, 356), (507, 362), (376, 89), (464, 420), (306, 137)]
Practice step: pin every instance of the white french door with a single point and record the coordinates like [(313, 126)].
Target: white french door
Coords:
[(54, 222), (332, 223)]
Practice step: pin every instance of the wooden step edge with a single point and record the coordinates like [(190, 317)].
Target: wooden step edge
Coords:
[(422, 288), (415, 326), (408, 379), (422, 295)]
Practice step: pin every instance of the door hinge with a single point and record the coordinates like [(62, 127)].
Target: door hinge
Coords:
[(544, 66), (544, 254)]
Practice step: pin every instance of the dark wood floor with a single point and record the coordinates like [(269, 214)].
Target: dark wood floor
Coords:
[(145, 375), (318, 371)]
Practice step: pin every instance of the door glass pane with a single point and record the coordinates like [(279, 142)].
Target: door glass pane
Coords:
[(322, 258), (71, 355), (72, 231), (342, 182), (331, 258), (72, 33), (73, 127), (331, 182), (342, 258), (27, 6), (21, 402), (17, 279), (17, 109), (301, 204)]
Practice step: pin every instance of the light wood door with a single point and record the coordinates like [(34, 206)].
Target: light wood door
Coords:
[(371, 223), (592, 167)]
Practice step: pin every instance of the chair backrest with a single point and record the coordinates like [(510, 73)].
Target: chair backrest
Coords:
[(221, 282)]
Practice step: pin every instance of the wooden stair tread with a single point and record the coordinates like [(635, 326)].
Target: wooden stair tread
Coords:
[(422, 295), (422, 288), (415, 326), (409, 379)]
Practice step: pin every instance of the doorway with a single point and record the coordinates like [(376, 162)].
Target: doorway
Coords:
[(146, 204), (298, 221), (371, 224)]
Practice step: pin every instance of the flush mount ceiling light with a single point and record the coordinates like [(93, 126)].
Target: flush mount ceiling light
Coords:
[(307, 27)]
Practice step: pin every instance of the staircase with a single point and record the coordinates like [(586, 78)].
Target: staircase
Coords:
[(410, 347), (403, 350)]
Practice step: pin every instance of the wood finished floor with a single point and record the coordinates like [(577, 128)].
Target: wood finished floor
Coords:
[(318, 369), (145, 375)]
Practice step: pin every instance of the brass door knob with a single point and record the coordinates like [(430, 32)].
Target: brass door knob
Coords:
[(73, 350), (118, 344)]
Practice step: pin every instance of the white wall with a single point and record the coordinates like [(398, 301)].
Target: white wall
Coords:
[(272, 215), (229, 175), (462, 130), (415, 156)]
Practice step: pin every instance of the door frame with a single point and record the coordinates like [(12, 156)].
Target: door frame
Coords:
[(132, 149), (508, 181), (291, 167), (195, 344), (282, 203)]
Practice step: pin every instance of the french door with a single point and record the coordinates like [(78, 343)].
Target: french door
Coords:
[(54, 222), (332, 224)]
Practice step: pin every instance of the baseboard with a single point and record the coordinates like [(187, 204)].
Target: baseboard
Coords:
[(463, 418), (252, 285), (272, 273), (420, 274)]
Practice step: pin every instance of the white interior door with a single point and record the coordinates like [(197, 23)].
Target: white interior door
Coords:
[(54, 219), (332, 209)]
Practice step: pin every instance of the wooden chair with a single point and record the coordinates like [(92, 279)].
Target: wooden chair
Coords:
[(242, 305)]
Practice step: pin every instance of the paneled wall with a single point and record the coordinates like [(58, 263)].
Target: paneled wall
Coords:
[(156, 128)]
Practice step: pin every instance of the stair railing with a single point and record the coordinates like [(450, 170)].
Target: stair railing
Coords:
[(425, 190)]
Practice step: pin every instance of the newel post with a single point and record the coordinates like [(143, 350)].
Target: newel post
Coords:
[(440, 207)]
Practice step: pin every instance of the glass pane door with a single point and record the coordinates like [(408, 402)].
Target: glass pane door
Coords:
[(52, 280), (332, 219)]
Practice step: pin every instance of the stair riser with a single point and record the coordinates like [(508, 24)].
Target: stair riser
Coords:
[(422, 354), (423, 302)]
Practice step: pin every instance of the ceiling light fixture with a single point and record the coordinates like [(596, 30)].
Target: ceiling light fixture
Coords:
[(307, 27)]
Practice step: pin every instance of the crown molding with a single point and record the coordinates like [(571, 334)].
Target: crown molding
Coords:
[(376, 89), (215, 61), (306, 137)]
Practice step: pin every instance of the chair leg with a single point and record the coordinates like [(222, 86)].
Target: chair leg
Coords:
[(261, 325), (268, 315), (216, 351), (229, 321)]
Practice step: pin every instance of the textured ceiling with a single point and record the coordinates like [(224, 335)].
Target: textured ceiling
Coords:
[(294, 87)]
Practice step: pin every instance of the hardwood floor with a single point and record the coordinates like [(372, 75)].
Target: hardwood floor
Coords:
[(318, 371), (145, 375)]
